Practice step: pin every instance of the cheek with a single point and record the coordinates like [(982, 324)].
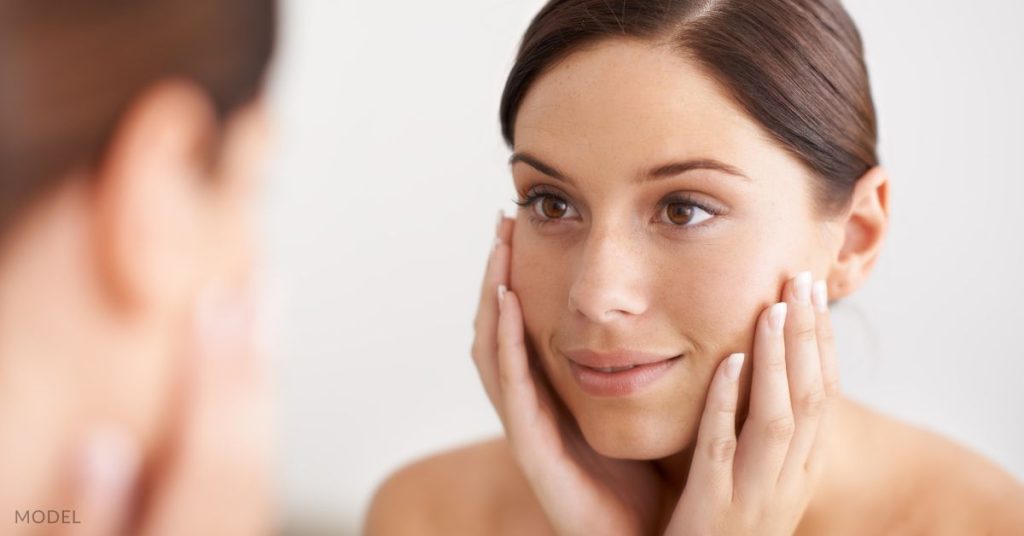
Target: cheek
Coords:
[(538, 275), (715, 294)]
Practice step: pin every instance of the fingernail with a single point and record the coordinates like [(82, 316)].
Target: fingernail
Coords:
[(777, 316), (501, 218), (109, 464), (733, 365), (497, 243), (802, 287), (820, 293), (501, 294)]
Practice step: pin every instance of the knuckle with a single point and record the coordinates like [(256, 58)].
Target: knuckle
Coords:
[(776, 364), (781, 429), (507, 376), (504, 377), (805, 334), (832, 387), (476, 350), (725, 408), (825, 335), (722, 449), (812, 403), (515, 346)]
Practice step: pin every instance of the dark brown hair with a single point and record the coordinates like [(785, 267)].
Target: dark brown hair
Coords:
[(796, 66), (70, 68)]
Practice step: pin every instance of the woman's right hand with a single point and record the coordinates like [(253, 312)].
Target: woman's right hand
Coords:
[(571, 481), (213, 474)]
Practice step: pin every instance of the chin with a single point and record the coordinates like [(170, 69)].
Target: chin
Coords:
[(636, 435)]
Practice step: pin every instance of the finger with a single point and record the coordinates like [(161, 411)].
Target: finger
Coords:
[(108, 471), (533, 432), (766, 434), (519, 396), (803, 363), (485, 340), (486, 316), (711, 471), (222, 444), (829, 369), (826, 341), (530, 421)]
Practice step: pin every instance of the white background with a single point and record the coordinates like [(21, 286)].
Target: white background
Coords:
[(389, 171)]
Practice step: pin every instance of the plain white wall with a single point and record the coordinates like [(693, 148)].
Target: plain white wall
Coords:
[(389, 170)]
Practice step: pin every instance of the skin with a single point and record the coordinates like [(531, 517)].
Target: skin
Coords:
[(610, 271), (130, 387)]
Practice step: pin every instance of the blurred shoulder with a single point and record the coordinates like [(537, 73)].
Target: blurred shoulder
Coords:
[(952, 489), (472, 489), (977, 494)]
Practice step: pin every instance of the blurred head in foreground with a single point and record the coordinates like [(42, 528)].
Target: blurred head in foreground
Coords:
[(130, 140)]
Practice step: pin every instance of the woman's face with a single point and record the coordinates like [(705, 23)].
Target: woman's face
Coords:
[(661, 220)]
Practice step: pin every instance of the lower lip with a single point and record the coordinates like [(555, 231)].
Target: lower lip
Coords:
[(622, 383)]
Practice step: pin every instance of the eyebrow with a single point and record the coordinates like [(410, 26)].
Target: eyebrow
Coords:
[(662, 171)]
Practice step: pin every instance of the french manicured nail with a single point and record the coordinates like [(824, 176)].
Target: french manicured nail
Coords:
[(802, 287), (777, 316), (501, 218), (733, 364), (497, 244), (820, 295), (110, 462), (501, 294)]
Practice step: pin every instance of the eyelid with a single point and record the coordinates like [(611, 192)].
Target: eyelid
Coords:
[(688, 199), (691, 200)]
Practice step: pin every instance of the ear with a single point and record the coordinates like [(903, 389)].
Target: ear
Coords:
[(864, 225), (150, 192)]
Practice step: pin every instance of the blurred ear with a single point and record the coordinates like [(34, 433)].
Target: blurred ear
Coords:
[(864, 226), (152, 194)]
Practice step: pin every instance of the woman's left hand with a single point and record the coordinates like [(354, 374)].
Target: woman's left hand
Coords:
[(761, 482)]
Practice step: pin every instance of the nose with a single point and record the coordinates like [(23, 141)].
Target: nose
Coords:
[(609, 280)]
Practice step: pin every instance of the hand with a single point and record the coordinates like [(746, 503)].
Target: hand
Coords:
[(762, 483), (580, 491), (214, 476)]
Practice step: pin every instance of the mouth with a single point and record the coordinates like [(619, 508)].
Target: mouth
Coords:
[(597, 377)]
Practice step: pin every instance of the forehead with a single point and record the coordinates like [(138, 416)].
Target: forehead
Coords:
[(628, 102)]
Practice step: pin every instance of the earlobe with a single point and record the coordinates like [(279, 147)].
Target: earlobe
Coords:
[(149, 191), (864, 225)]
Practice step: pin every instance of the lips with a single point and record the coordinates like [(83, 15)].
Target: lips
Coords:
[(618, 359), (619, 373)]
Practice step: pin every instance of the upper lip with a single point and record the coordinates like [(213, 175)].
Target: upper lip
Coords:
[(614, 358)]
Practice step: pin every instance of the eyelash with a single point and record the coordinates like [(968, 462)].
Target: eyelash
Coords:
[(540, 193)]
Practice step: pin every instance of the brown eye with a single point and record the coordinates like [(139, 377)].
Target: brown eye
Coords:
[(685, 214), (553, 208), (547, 207), (680, 213)]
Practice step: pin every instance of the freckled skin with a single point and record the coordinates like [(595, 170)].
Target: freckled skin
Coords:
[(614, 273)]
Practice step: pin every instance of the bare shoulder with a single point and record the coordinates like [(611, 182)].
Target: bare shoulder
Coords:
[(983, 497), (473, 489), (952, 489)]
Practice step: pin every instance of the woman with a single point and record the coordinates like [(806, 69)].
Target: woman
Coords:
[(130, 396), (696, 178)]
